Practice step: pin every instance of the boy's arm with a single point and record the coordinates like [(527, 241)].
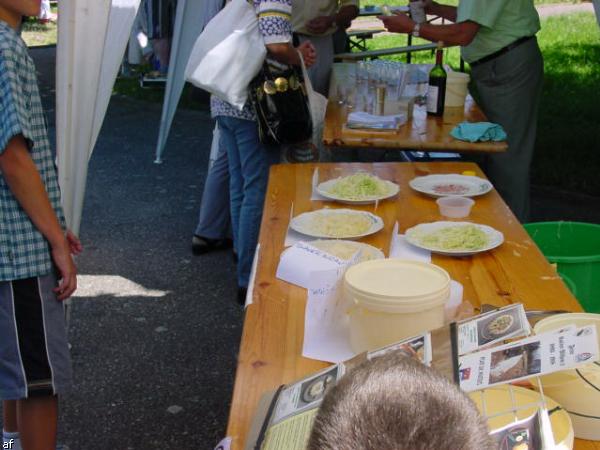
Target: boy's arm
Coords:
[(23, 179)]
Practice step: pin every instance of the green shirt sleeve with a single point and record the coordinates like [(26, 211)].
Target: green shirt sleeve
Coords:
[(483, 12)]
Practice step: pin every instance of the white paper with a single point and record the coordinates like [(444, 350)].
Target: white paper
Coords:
[(252, 279), (315, 182), (400, 248), (326, 324), (297, 262)]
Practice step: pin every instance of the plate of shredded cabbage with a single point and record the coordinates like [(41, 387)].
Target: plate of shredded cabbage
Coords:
[(346, 249), (358, 188), (454, 238), (337, 223), (450, 184)]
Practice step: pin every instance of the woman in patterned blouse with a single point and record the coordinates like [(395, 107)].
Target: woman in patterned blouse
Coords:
[(249, 159)]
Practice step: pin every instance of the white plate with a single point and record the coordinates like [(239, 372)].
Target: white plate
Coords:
[(368, 251), (303, 223), (464, 185), (324, 187), (495, 238)]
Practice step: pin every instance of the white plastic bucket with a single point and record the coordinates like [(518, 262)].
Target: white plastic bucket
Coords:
[(394, 299), (569, 388), (456, 89)]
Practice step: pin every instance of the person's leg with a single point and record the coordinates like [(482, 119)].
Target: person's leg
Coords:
[(214, 220), (254, 162), (9, 416), (509, 88), (214, 217), (236, 182), (38, 419)]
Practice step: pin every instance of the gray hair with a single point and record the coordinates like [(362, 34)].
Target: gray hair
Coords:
[(396, 403)]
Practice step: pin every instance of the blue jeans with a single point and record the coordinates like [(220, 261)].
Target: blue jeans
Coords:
[(214, 217), (249, 162)]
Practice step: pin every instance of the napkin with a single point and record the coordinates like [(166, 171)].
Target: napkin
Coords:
[(478, 131), (361, 119)]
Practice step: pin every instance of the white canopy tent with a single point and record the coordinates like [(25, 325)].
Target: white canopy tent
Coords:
[(190, 19), (92, 36)]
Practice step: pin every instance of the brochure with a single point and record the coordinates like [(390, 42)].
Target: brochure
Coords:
[(533, 356), (531, 433), (491, 328)]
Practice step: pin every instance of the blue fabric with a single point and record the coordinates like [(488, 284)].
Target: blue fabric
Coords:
[(249, 162), (478, 131), (214, 217)]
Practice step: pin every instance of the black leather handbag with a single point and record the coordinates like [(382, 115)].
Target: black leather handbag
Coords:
[(281, 106)]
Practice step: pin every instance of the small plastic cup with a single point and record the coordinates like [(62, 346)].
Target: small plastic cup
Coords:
[(455, 207)]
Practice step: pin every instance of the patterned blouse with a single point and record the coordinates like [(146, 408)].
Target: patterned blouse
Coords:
[(274, 22)]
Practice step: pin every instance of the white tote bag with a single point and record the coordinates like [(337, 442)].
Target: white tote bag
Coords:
[(318, 107), (228, 54)]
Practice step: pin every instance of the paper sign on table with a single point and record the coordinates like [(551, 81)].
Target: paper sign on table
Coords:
[(400, 248), (298, 262), (252, 278)]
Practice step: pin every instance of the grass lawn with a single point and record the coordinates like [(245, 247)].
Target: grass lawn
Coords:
[(568, 144), (35, 33)]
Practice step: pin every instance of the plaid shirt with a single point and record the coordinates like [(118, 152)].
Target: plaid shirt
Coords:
[(24, 252)]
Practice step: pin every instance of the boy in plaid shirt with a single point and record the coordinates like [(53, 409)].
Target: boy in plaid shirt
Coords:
[(37, 271)]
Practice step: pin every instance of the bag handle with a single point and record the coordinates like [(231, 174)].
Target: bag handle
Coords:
[(307, 82)]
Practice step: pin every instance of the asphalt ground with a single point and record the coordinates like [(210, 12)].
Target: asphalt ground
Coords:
[(154, 330)]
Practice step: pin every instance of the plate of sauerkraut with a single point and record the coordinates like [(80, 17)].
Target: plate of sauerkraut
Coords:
[(337, 223), (358, 188), (454, 238)]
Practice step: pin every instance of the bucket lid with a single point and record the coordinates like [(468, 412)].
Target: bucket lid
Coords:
[(397, 285)]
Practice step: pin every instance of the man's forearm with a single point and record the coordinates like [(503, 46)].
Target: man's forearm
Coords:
[(454, 34), (445, 11), (24, 181), (345, 16)]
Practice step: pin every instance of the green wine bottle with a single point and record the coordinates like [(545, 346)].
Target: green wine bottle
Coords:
[(436, 91)]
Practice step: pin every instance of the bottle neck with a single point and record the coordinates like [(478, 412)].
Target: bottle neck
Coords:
[(439, 57)]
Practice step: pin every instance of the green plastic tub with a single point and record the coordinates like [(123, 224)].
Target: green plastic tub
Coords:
[(575, 248)]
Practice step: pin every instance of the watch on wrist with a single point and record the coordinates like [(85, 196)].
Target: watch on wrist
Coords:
[(416, 30)]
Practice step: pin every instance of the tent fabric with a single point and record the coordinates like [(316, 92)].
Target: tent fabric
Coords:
[(190, 19), (85, 75)]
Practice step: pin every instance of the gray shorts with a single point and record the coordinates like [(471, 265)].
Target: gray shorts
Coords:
[(34, 353)]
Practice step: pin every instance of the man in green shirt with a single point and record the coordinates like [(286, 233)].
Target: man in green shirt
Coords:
[(498, 41)]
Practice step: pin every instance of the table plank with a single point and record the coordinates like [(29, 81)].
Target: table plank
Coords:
[(274, 324)]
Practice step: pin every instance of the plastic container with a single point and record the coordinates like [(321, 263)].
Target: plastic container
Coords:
[(456, 89), (568, 387), (392, 299), (455, 207), (498, 400), (575, 248)]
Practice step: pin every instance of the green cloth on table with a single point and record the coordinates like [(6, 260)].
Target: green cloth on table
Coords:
[(478, 131)]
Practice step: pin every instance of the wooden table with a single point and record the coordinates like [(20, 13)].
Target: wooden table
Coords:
[(270, 352), (423, 132)]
